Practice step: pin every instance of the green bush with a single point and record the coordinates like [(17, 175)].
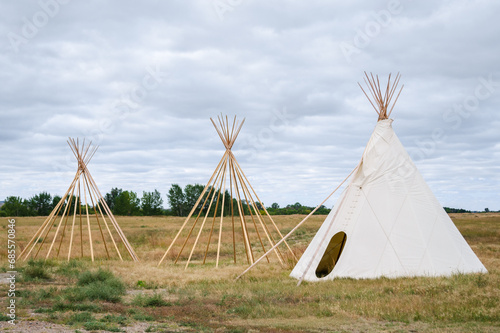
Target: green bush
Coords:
[(62, 306), (121, 320), (99, 326), (142, 317), (36, 270), (154, 300), (90, 277), (100, 285), (71, 269), (80, 317)]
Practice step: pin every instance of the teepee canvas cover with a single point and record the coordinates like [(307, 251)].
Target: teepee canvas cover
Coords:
[(387, 222)]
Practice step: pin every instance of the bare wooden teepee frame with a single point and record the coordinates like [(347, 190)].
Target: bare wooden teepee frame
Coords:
[(73, 200), (229, 172)]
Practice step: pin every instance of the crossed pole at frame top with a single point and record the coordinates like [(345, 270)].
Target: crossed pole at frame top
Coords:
[(381, 101), (83, 157), (228, 137)]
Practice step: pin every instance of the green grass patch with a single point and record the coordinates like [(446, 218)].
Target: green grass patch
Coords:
[(155, 300), (80, 317), (71, 269), (37, 270), (100, 326), (3, 317), (100, 285)]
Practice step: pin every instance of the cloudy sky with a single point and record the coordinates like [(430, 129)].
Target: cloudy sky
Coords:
[(142, 79)]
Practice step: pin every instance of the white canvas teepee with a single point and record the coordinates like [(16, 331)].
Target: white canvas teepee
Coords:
[(387, 222)]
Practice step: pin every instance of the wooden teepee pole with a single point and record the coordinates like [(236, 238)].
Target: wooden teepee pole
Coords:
[(265, 209), (65, 222), (88, 224), (216, 208), (241, 212), (259, 217), (207, 196), (192, 210), (32, 243), (221, 219), (211, 187), (112, 218), (201, 228), (249, 205), (58, 226), (383, 101), (81, 219), (99, 204), (77, 202), (86, 182)]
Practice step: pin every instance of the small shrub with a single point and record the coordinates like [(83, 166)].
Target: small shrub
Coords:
[(99, 326), (45, 293), (36, 270), (142, 317), (235, 330), (154, 300), (100, 285), (100, 275), (70, 269), (80, 317), (121, 320), (62, 306)]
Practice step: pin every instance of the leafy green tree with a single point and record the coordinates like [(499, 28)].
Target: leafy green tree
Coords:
[(322, 210), (275, 205), (151, 203), (111, 197), (456, 210), (191, 195), (127, 203), (55, 201), (15, 206), (41, 204), (177, 200)]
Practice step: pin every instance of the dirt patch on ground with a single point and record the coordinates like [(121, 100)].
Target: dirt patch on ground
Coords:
[(37, 326), (4, 278)]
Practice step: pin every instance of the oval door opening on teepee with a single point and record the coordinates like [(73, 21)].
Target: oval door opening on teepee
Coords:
[(332, 254)]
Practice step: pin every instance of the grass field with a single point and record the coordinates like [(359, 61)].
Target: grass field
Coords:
[(118, 296)]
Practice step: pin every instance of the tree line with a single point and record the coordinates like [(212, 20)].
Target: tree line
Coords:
[(181, 201), (120, 202)]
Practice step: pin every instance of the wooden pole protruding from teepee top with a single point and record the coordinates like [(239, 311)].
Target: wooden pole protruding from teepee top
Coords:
[(382, 102)]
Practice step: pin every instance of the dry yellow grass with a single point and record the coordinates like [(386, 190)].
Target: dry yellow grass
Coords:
[(205, 298)]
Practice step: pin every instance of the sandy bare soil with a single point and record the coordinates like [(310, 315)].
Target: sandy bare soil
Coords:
[(37, 326)]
